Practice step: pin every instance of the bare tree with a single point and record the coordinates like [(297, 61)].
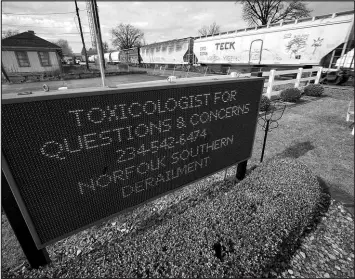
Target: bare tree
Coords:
[(9, 33), (141, 43), (105, 46), (126, 36), (260, 12), (209, 30), (66, 49)]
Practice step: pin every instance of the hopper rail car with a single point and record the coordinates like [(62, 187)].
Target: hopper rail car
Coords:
[(326, 40)]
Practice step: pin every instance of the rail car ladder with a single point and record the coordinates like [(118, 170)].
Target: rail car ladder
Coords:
[(337, 54), (342, 58)]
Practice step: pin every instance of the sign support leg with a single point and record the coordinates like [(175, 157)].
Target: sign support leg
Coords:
[(35, 257), (241, 170), (266, 130)]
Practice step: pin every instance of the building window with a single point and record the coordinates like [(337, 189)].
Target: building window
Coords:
[(22, 59), (44, 58)]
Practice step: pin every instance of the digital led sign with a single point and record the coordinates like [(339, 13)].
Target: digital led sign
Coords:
[(79, 157)]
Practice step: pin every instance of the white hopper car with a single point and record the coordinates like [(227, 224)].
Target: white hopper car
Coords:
[(109, 57), (114, 57), (306, 42)]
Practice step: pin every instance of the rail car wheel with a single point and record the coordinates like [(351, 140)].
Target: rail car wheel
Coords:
[(333, 78), (336, 81)]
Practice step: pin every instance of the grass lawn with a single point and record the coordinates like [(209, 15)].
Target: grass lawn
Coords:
[(315, 132)]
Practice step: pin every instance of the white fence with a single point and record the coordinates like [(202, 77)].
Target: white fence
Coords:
[(271, 82), (273, 73)]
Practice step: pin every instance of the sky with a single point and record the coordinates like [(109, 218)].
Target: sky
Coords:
[(160, 21)]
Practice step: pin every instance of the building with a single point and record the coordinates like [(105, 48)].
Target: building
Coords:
[(25, 53)]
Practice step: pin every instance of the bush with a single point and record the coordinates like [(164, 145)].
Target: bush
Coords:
[(236, 234), (264, 103), (290, 95), (315, 90)]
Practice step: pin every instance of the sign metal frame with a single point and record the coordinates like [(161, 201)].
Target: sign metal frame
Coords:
[(137, 87)]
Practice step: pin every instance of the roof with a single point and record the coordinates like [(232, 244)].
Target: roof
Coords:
[(27, 39)]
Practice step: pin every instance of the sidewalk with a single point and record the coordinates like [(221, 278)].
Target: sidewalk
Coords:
[(77, 83)]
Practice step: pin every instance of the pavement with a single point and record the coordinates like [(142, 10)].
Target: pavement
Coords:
[(152, 74), (78, 83)]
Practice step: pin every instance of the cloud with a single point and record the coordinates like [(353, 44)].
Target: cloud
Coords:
[(140, 24), (37, 22), (203, 16), (320, 8), (160, 21)]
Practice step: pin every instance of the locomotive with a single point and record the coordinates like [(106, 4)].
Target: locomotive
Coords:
[(326, 40)]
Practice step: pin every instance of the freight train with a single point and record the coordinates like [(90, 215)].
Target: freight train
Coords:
[(326, 40)]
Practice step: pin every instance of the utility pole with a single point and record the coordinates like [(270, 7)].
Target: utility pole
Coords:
[(91, 23), (82, 37), (98, 43), (96, 16)]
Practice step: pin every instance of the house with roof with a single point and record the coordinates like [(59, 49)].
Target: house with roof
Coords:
[(26, 53)]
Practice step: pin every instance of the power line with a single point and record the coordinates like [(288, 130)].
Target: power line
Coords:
[(76, 25), (32, 26), (42, 14), (75, 33), (15, 25)]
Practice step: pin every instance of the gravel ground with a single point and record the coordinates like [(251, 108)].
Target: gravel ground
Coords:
[(326, 251)]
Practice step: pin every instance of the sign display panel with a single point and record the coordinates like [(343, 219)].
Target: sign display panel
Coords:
[(79, 159)]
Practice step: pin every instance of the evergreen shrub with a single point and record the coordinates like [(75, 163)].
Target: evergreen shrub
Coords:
[(264, 103), (290, 95), (315, 90), (236, 234)]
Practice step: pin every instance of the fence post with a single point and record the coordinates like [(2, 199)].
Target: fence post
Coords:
[(309, 81), (205, 71), (319, 73), (271, 81), (188, 70), (298, 78)]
